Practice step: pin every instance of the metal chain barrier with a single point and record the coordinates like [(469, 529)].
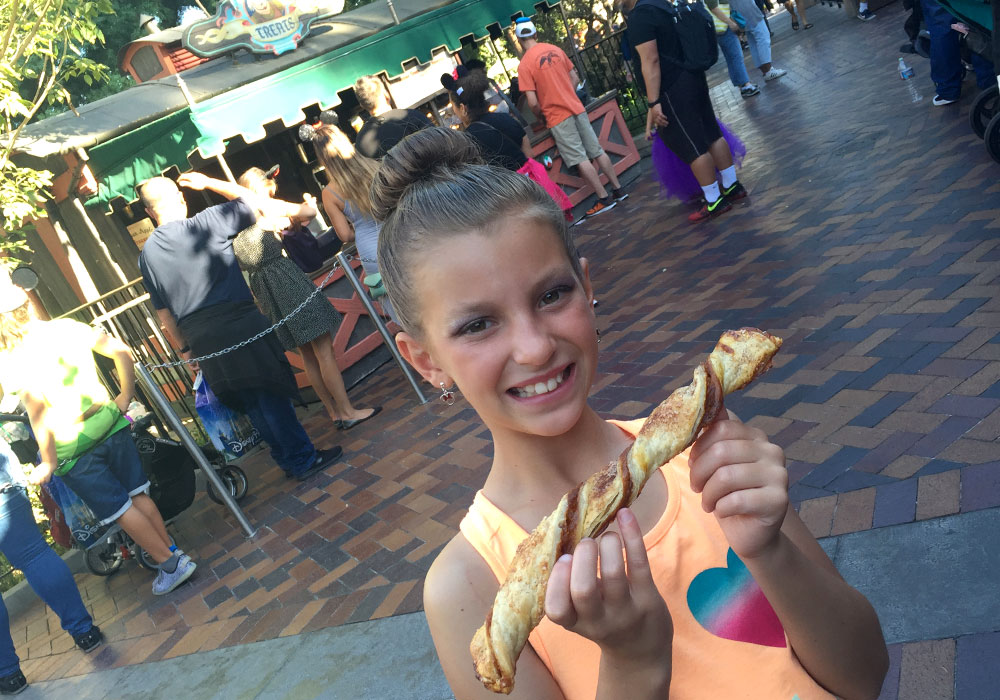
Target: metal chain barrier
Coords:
[(319, 288)]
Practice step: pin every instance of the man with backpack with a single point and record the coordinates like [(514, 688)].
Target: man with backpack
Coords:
[(676, 44)]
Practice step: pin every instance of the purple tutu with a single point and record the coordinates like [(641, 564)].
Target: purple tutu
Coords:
[(675, 176)]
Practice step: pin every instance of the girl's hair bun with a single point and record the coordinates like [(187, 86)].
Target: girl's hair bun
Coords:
[(427, 156)]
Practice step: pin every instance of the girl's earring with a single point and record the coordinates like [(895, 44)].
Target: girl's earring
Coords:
[(447, 396), (598, 335)]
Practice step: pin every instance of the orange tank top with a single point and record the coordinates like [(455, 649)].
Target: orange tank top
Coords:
[(728, 642)]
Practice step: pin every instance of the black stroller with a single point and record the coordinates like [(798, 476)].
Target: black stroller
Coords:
[(981, 17)]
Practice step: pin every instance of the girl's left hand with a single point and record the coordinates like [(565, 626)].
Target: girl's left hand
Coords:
[(741, 477)]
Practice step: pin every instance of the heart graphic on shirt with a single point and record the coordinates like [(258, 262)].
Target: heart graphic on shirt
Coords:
[(728, 603)]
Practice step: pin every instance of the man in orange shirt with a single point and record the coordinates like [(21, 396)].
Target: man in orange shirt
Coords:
[(548, 79)]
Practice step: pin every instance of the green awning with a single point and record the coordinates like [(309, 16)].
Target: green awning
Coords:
[(121, 163), (245, 110)]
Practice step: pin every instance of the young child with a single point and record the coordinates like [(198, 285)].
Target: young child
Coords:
[(721, 593)]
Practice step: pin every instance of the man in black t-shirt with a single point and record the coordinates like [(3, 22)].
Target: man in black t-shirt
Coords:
[(204, 305), (386, 126), (679, 104)]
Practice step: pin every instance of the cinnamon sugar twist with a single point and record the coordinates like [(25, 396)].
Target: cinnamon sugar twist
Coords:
[(586, 511)]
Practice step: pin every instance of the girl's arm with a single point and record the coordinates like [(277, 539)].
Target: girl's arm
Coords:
[(526, 147), (334, 208), (272, 208), (831, 627), (116, 350), (717, 11)]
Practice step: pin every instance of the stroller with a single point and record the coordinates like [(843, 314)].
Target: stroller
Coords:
[(981, 17), (170, 470)]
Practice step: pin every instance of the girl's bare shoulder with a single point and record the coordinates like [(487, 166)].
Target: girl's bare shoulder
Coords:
[(458, 573)]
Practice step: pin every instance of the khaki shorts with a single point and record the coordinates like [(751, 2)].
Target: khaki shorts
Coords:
[(576, 140)]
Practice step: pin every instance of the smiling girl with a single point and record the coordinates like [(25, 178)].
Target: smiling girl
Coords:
[(721, 591)]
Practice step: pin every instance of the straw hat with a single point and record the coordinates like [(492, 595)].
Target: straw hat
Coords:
[(11, 296)]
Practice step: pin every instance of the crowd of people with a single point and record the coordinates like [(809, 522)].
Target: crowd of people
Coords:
[(519, 343)]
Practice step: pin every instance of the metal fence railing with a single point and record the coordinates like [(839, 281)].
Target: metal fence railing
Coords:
[(606, 69)]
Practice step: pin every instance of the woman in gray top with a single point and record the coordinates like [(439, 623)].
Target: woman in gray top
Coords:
[(346, 200)]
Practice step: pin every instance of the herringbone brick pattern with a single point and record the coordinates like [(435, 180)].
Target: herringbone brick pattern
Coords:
[(869, 244)]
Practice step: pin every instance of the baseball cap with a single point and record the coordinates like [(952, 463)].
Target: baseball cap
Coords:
[(524, 27)]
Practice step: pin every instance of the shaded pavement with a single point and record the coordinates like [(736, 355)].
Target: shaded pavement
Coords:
[(869, 244)]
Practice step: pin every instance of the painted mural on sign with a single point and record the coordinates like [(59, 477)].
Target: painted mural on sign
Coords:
[(260, 26)]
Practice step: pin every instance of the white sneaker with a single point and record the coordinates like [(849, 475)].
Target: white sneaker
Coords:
[(939, 101), (774, 74), (166, 582)]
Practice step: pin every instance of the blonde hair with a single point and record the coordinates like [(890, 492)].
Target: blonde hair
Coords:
[(257, 181), (434, 185), (13, 327), (350, 172), (368, 89)]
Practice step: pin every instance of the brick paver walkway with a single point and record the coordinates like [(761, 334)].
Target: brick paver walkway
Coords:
[(870, 244)]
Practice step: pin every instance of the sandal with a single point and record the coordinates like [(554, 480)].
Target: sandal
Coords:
[(348, 424), (808, 25), (795, 24)]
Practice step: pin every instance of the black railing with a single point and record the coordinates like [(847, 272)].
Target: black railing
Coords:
[(127, 314), (606, 69)]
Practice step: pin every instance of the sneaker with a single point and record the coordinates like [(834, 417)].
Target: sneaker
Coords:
[(13, 684), (749, 90), (774, 74), (88, 641), (618, 195), (735, 193), (866, 15), (166, 582), (939, 101), (710, 211), (324, 458), (907, 48), (602, 205)]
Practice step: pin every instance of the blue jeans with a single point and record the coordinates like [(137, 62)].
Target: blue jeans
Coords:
[(946, 60), (729, 43), (274, 418), (108, 476), (47, 573), (759, 39)]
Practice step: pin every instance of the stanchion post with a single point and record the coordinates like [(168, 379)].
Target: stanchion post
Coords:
[(163, 404), (379, 324)]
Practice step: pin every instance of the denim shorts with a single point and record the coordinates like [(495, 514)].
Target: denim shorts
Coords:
[(108, 476)]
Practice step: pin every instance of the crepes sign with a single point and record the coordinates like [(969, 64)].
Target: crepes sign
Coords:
[(260, 26)]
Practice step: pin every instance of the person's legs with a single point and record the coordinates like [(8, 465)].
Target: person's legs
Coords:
[(760, 46), (9, 662), (311, 364), (589, 173), (946, 61), (46, 572), (274, 418), (146, 506), (334, 380), (593, 149), (573, 153), (800, 6), (139, 528), (729, 44)]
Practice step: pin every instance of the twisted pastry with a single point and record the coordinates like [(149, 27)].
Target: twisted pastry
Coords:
[(738, 358)]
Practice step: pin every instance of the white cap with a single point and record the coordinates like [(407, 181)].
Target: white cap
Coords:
[(523, 28), (11, 296)]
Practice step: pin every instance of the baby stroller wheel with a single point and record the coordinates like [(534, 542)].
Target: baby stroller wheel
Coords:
[(144, 558), (984, 107), (105, 558), (992, 138), (235, 478)]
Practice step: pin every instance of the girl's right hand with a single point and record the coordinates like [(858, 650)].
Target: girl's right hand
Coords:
[(623, 612)]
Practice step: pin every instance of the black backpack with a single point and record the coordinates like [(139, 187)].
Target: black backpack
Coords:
[(695, 33)]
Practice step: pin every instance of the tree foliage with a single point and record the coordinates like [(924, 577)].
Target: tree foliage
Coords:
[(42, 45)]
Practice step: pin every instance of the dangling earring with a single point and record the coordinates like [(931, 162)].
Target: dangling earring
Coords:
[(598, 335), (447, 396)]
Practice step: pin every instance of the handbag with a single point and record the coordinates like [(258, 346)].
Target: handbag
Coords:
[(83, 526)]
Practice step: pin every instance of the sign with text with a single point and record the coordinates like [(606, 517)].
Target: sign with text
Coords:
[(260, 26)]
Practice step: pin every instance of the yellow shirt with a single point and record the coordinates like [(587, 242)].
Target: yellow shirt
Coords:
[(728, 642)]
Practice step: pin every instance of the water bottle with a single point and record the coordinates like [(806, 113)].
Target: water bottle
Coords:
[(906, 74)]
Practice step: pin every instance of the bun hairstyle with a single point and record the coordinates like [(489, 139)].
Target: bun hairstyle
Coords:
[(468, 90), (434, 185), (257, 181)]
